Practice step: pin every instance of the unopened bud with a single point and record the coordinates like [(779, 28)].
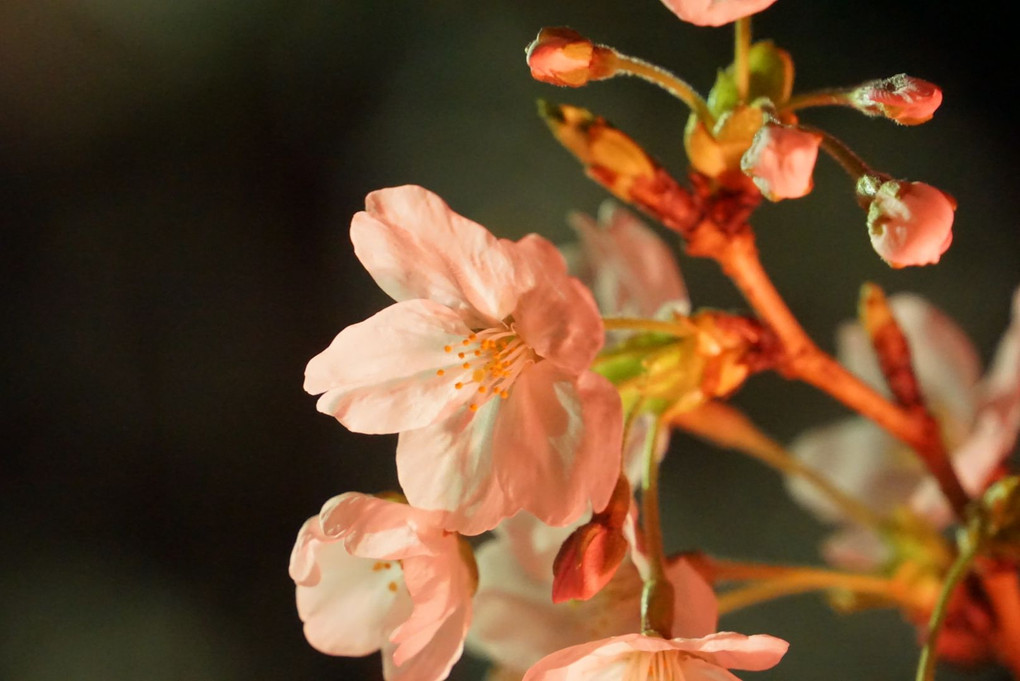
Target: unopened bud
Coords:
[(590, 556), (781, 160), (901, 98), (562, 56), (910, 223)]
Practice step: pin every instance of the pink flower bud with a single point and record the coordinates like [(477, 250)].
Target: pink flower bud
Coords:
[(715, 12), (780, 161), (911, 223), (902, 98), (562, 56)]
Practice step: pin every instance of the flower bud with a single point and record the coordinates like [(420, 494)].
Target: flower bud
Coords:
[(780, 161), (901, 98), (910, 223), (715, 12), (589, 557), (562, 56)]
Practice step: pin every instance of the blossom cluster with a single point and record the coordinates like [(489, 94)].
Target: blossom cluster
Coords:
[(533, 390)]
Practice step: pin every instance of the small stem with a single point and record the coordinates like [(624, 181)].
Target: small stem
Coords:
[(959, 570), (656, 75), (742, 57), (679, 329), (792, 581), (832, 97), (657, 599), (853, 164), (727, 427)]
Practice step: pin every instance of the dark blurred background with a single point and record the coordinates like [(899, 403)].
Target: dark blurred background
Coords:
[(176, 181)]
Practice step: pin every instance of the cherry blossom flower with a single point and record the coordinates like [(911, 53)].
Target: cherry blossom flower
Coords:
[(781, 160), (979, 418), (482, 366), (910, 223), (516, 623), (715, 12), (630, 270), (376, 574), (901, 98)]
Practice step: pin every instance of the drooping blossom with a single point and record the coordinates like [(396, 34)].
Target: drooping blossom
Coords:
[(374, 574), (781, 161), (636, 657), (901, 98), (910, 223), (564, 57), (628, 267), (979, 419), (482, 366), (516, 623), (715, 12)]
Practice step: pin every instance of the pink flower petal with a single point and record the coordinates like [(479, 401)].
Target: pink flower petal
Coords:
[(557, 443), (695, 610), (382, 375), (440, 586), (561, 323), (435, 661), (348, 604), (736, 651), (414, 246), (372, 527), (856, 548), (861, 460), (632, 271), (448, 466), (715, 12)]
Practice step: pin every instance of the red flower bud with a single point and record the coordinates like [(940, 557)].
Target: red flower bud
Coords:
[(589, 557), (902, 98), (562, 56)]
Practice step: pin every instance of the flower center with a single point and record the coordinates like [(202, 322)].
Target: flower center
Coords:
[(663, 665), (492, 361)]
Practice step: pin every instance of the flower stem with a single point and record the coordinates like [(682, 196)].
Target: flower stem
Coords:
[(832, 97), (778, 581), (853, 164), (958, 570), (657, 597), (742, 57), (651, 325), (727, 427), (656, 75), (806, 362)]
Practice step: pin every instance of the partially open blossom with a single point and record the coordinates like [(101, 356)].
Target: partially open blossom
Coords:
[(482, 366), (376, 574), (910, 223), (562, 56), (781, 160), (631, 271), (901, 98), (516, 623), (715, 12), (979, 420)]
